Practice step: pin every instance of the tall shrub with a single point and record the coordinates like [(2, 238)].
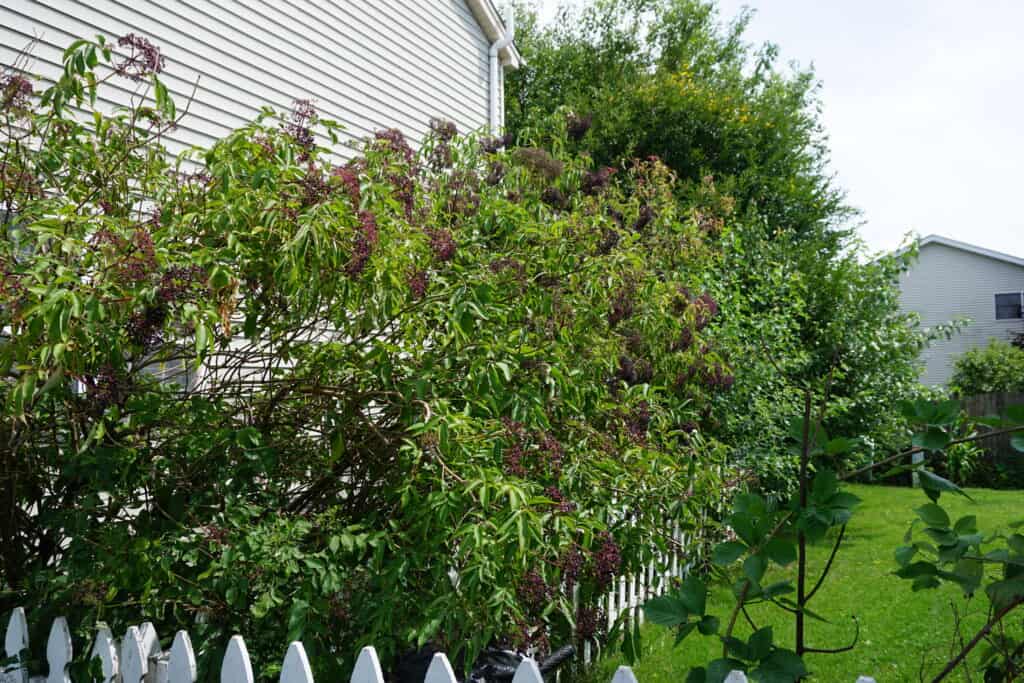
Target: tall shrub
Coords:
[(995, 368), (421, 396)]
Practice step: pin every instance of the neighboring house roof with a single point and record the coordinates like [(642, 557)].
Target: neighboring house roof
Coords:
[(490, 21), (963, 246)]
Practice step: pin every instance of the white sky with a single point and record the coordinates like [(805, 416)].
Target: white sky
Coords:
[(923, 102)]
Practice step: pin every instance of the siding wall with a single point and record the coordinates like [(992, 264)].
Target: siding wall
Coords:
[(368, 64), (947, 283)]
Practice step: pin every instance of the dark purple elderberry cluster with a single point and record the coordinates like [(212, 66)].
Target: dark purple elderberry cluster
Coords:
[(180, 284), (315, 187), (515, 453), (392, 142), (495, 173), (533, 592), (526, 639), (595, 182), (145, 328), (684, 341), (634, 372), (562, 504), (622, 306), (462, 193), (551, 453), (348, 176), (540, 161), (444, 132), (607, 559), (554, 198), (300, 127), (638, 421), (644, 218), (508, 264), (609, 240), (706, 308), (577, 125), (493, 145), (143, 59), (442, 243), (136, 258), (15, 92), (418, 280), (365, 240), (547, 458), (718, 378), (571, 563), (107, 387), (590, 622)]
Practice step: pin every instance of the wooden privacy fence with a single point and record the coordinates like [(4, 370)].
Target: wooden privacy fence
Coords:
[(138, 658)]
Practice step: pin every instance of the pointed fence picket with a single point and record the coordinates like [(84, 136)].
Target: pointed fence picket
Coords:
[(138, 658)]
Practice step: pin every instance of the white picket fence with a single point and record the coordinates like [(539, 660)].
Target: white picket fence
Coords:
[(138, 658)]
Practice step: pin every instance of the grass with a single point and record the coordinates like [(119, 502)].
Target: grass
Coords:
[(902, 633)]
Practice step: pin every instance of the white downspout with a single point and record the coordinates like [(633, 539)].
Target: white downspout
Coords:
[(496, 118)]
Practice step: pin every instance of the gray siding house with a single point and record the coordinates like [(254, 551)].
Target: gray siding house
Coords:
[(953, 280), (368, 64)]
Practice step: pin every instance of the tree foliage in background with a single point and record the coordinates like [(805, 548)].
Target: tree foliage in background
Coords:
[(668, 78), (416, 397), (996, 368)]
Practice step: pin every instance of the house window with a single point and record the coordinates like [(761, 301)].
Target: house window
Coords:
[(1009, 306)]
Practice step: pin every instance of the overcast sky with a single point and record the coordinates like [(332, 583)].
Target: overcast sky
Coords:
[(923, 102)]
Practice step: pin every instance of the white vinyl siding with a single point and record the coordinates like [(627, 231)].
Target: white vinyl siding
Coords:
[(368, 64), (948, 283)]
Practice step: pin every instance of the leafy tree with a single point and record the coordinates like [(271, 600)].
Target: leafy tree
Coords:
[(417, 397), (801, 301)]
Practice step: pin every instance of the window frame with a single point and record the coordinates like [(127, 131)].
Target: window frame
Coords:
[(1020, 305)]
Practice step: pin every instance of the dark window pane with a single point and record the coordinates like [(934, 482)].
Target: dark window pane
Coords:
[(1008, 306)]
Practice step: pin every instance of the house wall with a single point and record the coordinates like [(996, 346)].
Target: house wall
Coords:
[(947, 283), (368, 64)]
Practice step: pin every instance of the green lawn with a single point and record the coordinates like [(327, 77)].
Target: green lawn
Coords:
[(900, 631)]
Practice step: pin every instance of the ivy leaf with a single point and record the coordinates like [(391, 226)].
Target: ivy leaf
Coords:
[(1017, 441), (1015, 413)]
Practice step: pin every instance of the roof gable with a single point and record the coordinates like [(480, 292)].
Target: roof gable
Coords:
[(970, 248)]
